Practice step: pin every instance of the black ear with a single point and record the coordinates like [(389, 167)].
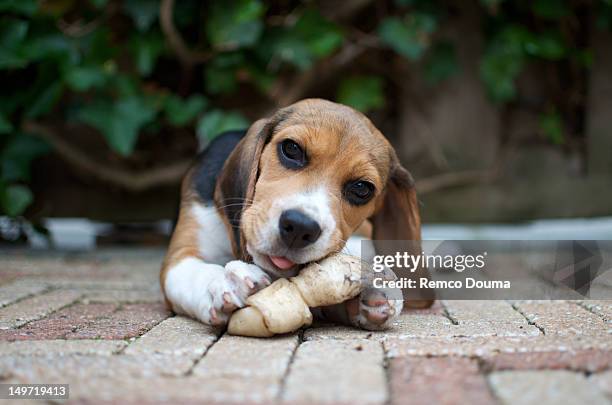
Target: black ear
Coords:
[(398, 219), (236, 183)]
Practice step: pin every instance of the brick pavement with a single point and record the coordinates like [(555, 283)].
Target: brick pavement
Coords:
[(97, 322)]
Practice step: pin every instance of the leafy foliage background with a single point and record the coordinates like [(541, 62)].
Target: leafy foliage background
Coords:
[(142, 74)]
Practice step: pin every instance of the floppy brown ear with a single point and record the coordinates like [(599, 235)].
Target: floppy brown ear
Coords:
[(236, 183), (398, 219)]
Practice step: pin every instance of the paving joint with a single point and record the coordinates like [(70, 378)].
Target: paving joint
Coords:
[(529, 321), (283, 382)]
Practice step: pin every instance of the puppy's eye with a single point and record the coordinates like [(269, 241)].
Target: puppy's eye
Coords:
[(291, 154), (359, 192)]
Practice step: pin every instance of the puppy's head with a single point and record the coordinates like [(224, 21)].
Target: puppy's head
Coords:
[(300, 183)]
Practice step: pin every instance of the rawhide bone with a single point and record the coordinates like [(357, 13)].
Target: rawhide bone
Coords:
[(284, 306)]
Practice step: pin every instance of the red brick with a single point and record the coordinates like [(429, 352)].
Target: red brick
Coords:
[(61, 323), (583, 360), (437, 380), (129, 321)]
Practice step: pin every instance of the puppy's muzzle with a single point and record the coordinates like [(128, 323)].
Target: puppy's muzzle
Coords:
[(298, 230)]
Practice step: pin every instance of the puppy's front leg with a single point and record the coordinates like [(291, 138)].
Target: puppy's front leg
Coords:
[(372, 309), (210, 292)]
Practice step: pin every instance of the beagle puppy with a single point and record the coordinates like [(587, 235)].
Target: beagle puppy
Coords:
[(260, 205)]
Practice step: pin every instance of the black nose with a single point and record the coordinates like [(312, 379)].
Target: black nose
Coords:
[(297, 229)]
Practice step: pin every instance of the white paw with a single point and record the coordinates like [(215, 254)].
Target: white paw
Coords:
[(249, 276), (229, 292)]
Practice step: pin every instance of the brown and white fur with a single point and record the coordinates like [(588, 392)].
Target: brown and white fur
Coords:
[(228, 242)]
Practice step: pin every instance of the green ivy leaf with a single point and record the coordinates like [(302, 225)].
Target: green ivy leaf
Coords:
[(146, 50), (18, 155), (15, 199), (180, 112), (498, 71), (12, 35), (441, 64), (13, 32), (143, 12), (363, 93), (119, 122), (310, 38), (547, 46), (97, 47), (41, 47), (44, 101), (216, 122), (220, 74), (512, 39), (83, 78), (551, 125), (284, 46), (234, 25), (321, 36), (410, 36), (220, 80), (503, 61), (23, 7), (126, 86)]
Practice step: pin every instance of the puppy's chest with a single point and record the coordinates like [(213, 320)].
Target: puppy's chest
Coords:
[(213, 241)]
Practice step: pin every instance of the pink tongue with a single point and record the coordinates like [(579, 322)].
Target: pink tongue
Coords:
[(282, 262)]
